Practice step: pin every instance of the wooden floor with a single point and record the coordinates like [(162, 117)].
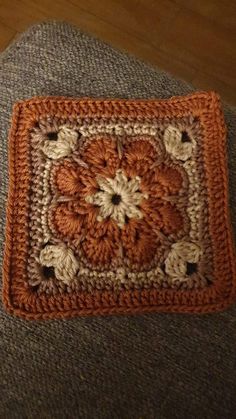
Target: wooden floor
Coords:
[(193, 39)]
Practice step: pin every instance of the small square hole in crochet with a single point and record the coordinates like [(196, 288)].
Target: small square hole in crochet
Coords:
[(117, 206)]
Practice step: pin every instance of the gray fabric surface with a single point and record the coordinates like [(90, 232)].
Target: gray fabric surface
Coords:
[(147, 366)]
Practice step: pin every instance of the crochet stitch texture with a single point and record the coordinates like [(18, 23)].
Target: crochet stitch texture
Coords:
[(117, 206)]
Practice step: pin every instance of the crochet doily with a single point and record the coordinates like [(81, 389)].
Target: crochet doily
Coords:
[(117, 206)]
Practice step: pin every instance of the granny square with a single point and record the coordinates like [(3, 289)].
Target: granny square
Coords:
[(117, 206)]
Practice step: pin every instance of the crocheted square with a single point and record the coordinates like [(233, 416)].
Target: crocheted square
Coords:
[(117, 206)]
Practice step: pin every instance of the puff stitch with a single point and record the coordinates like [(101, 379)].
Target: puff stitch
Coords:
[(117, 206)]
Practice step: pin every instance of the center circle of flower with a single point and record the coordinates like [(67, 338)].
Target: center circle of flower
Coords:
[(115, 200), (118, 198)]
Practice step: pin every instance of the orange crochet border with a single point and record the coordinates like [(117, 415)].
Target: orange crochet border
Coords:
[(22, 302)]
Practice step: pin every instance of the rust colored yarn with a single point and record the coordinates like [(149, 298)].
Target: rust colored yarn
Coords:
[(117, 206)]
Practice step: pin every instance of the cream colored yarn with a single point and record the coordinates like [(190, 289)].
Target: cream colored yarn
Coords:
[(119, 129), (62, 259), (64, 145), (130, 198), (175, 146), (181, 253)]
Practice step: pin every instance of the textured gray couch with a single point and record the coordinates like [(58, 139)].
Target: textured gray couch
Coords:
[(146, 366)]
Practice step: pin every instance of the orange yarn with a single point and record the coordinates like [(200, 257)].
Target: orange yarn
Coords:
[(79, 217), (113, 202)]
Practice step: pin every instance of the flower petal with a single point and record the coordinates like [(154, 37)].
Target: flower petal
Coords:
[(169, 177), (175, 266), (66, 221), (161, 216), (188, 251), (65, 144), (162, 181), (71, 179), (62, 259), (180, 254), (67, 179), (139, 242), (151, 214), (175, 144), (172, 219), (102, 243), (102, 156), (138, 156)]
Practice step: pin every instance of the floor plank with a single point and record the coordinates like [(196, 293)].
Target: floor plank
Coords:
[(218, 11), (6, 35), (192, 39)]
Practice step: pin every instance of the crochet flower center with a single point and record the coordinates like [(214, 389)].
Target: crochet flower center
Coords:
[(118, 198), (118, 202)]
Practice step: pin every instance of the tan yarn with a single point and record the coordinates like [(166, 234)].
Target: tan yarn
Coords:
[(64, 146), (127, 191), (117, 206), (62, 259), (175, 146), (181, 253), (118, 129)]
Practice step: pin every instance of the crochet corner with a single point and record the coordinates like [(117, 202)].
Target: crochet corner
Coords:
[(117, 207)]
